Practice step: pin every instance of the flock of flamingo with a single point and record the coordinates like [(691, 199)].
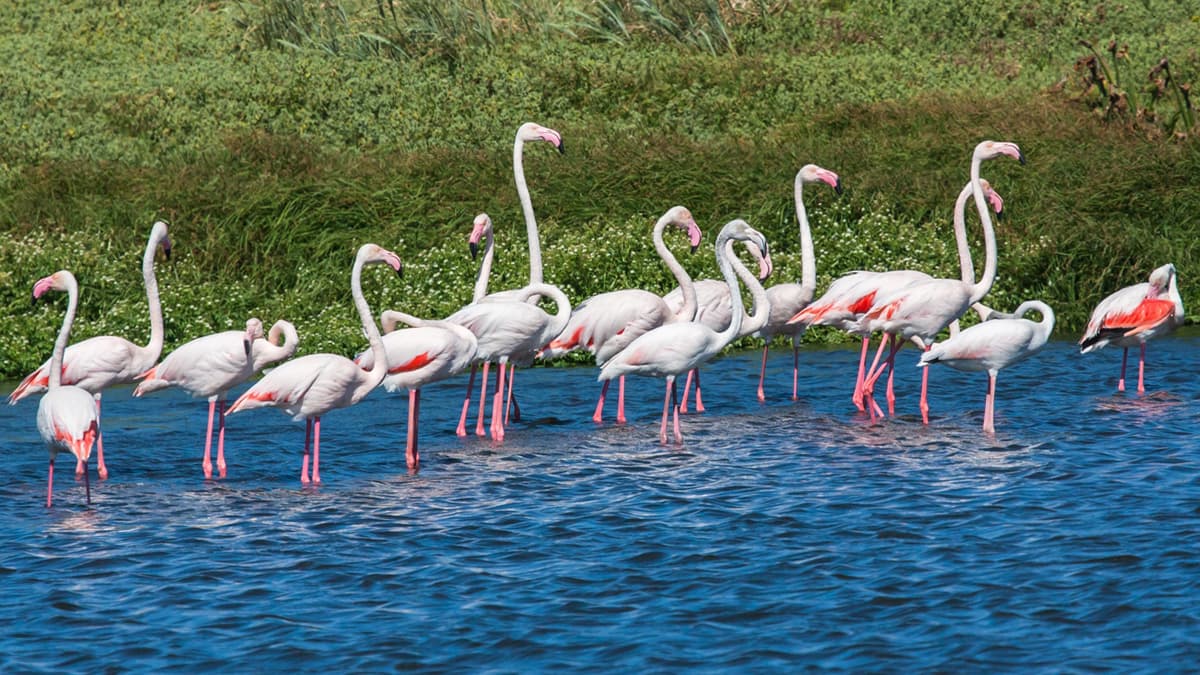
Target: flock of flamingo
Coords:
[(629, 331)]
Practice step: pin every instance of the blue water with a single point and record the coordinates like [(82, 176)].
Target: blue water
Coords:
[(777, 537)]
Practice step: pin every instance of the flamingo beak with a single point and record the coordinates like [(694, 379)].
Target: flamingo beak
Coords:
[(694, 247), (474, 249), (837, 188), (561, 151)]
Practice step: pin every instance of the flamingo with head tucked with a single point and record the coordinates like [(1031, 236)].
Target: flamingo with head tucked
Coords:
[(789, 298), (924, 309), (429, 352), (605, 324), (209, 366), (310, 386), (66, 417), (992, 346), (675, 348), (106, 360), (1134, 315)]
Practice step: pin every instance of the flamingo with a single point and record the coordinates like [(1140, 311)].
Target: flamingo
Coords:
[(429, 352), (850, 296), (66, 418), (789, 298), (310, 386), (714, 310), (529, 131), (922, 310), (993, 345), (209, 366), (100, 362), (605, 324), (675, 348), (1134, 315), (512, 330)]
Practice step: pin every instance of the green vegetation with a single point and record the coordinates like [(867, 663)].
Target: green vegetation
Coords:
[(277, 135)]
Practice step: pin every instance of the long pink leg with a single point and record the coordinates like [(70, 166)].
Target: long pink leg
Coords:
[(50, 485), (221, 439), (891, 385), (925, 391), (762, 374), (862, 373), (795, 371), (1121, 382), (482, 399), (498, 405), (316, 472), (699, 401), (870, 378), (1142, 370), (308, 425), (621, 400), (675, 416), (662, 430), (512, 376), (411, 454), (462, 420), (598, 416), (989, 408), (101, 469), (207, 462), (687, 388)]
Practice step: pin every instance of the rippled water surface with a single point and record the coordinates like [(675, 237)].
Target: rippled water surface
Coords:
[(778, 536)]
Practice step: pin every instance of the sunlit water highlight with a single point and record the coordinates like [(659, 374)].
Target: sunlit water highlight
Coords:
[(777, 536)]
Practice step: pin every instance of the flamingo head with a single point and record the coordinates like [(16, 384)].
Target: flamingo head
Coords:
[(59, 281), (159, 234), (480, 228), (254, 331), (765, 267), (1160, 279), (811, 173), (741, 230), (993, 197), (536, 132), (991, 149), (373, 254), (681, 217)]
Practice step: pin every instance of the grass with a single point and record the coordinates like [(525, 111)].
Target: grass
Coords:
[(273, 162)]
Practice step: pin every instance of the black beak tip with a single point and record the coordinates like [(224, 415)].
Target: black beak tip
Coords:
[(695, 247), (999, 216), (167, 253), (838, 187), (474, 250), (1021, 158), (561, 149), (400, 271), (246, 344)]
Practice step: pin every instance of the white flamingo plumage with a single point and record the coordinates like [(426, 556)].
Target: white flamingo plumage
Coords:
[(1134, 315), (675, 348), (66, 417), (209, 366), (429, 352), (924, 309), (512, 330), (103, 361), (789, 298), (310, 386), (992, 346), (605, 324)]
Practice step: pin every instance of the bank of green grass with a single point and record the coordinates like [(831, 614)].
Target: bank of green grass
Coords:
[(274, 164)]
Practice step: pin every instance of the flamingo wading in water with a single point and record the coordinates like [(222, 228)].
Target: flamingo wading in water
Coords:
[(106, 360), (993, 345), (209, 366), (310, 386), (66, 417), (1134, 315), (675, 348)]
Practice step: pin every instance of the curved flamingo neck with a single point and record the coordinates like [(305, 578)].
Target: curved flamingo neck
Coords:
[(808, 258), (379, 368), (724, 253), (531, 230), (64, 334), (562, 304), (272, 349), (485, 268), (151, 281), (960, 235), (1173, 293), (989, 236), (687, 312)]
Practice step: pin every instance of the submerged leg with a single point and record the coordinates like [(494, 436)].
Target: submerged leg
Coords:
[(316, 467), (482, 398), (621, 400), (462, 419), (50, 485), (1142, 370), (101, 469), (675, 415), (925, 391), (498, 405), (762, 374), (221, 438), (857, 397), (598, 416), (308, 425), (989, 408), (891, 385), (795, 370), (667, 396)]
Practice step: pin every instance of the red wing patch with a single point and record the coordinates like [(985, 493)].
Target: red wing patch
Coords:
[(419, 361), (862, 304), (570, 342), (1146, 315)]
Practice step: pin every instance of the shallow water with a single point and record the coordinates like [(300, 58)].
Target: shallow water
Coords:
[(777, 536)]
